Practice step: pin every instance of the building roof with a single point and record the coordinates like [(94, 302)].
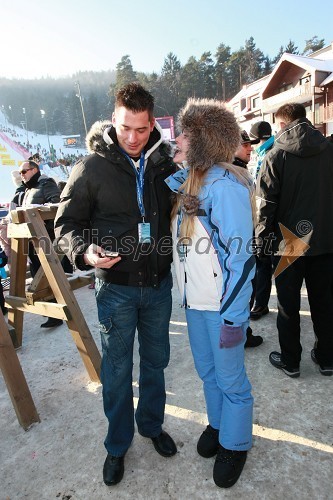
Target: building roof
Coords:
[(311, 64), (323, 53), (327, 80), (307, 62)]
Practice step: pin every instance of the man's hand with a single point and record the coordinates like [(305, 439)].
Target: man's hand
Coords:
[(92, 257)]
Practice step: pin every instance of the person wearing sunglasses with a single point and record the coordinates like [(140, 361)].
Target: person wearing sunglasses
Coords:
[(39, 190)]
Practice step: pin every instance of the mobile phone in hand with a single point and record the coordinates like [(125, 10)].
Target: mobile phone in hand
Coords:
[(108, 253)]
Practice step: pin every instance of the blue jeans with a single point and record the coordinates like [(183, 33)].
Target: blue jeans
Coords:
[(227, 389), (122, 310)]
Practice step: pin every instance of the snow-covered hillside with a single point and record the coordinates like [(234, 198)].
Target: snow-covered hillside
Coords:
[(11, 153)]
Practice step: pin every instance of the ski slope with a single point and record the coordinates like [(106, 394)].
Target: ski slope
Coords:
[(12, 155)]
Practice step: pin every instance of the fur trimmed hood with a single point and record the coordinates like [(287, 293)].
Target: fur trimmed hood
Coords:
[(214, 134), (94, 140)]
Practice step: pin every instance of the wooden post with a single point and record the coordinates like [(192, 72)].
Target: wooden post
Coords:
[(19, 252), (14, 379)]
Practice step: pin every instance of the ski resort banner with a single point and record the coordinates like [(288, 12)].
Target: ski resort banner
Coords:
[(167, 125), (7, 161)]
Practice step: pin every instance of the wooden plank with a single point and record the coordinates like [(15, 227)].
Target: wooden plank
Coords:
[(15, 380), (22, 230), (45, 294), (17, 216), (51, 309), (19, 252), (76, 282), (39, 282), (47, 213)]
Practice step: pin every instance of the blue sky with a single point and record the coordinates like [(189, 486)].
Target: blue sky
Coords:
[(41, 38)]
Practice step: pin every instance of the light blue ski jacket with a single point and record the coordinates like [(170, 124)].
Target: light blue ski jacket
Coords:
[(215, 270)]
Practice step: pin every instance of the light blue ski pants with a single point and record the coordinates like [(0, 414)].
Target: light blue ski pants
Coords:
[(226, 386)]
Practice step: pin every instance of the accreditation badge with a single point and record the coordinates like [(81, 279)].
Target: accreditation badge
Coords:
[(144, 232)]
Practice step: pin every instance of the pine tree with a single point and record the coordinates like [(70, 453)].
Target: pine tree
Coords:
[(190, 81), (312, 45), (254, 59), (236, 67), (278, 56), (170, 82), (291, 48), (125, 73), (207, 72), (221, 70)]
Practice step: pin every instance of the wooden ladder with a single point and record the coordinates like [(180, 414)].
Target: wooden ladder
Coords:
[(50, 283)]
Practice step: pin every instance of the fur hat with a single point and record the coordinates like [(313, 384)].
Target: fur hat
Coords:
[(214, 134)]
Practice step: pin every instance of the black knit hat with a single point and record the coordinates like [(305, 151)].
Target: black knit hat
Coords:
[(261, 130), (245, 139)]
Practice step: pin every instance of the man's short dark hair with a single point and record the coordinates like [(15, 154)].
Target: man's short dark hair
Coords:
[(135, 98), (290, 112)]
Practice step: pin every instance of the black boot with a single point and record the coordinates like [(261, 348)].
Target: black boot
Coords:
[(228, 467), (208, 442), (252, 340), (51, 322)]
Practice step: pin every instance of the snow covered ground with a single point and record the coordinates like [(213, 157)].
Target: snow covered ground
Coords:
[(7, 188)]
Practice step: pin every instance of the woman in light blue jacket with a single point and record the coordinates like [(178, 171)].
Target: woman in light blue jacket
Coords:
[(212, 227)]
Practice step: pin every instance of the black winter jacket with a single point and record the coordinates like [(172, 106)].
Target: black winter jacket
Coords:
[(239, 163), (295, 188), (99, 205), (40, 189)]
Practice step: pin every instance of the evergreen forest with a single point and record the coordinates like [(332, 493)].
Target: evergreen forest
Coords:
[(62, 105)]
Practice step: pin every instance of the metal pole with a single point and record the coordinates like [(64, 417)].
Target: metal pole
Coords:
[(47, 133), (80, 97), (43, 115), (4, 114), (26, 124), (11, 113)]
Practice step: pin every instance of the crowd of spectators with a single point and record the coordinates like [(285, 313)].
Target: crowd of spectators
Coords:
[(53, 157)]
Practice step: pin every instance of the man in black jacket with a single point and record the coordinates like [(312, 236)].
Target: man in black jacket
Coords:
[(116, 201), (296, 216)]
